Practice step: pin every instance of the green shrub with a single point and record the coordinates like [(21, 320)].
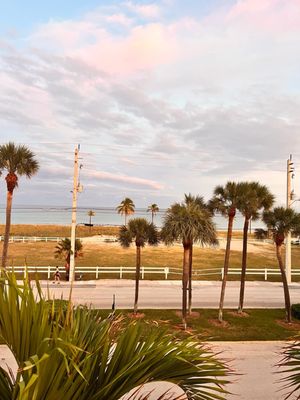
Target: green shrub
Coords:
[(296, 311)]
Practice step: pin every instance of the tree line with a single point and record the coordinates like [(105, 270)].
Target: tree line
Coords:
[(189, 221)]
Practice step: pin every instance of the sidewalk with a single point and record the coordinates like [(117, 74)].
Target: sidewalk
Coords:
[(255, 362)]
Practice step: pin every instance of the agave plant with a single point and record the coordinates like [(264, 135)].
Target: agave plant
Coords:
[(67, 352)]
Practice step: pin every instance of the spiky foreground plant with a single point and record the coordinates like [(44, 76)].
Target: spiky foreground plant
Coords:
[(290, 367), (70, 353)]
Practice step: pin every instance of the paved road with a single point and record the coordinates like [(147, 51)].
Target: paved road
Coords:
[(167, 294), (255, 362)]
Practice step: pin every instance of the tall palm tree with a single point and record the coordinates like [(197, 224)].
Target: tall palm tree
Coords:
[(91, 214), (254, 199), (193, 200), (63, 250), (281, 221), (225, 200), (153, 208), (189, 223), (126, 207), (141, 232), (16, 160)]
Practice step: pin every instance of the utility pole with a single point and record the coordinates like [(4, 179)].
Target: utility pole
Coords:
[(289, 195), (74, 211)]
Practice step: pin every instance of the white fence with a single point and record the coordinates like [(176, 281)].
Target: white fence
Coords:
[(33, 239), (26, 239), (101, 272)]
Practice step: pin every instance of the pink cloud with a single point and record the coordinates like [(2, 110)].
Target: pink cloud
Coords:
[(119, 19), (144, 10), (145, 47), (275, 15), (108, 176), (142, 47)]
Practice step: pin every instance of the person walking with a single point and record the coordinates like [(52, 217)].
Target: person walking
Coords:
[(57, 275)]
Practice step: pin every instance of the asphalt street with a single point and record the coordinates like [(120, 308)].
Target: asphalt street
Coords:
[(167, 294)]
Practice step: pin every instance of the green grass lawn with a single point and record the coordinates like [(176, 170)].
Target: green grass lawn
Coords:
[(256, 324)]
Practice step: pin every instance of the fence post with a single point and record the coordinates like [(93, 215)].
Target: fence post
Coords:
[(121, 272), (23, 239), (143, 273), (49, 271), (222, 273), (166, 272), (97, 272), (266, 274)]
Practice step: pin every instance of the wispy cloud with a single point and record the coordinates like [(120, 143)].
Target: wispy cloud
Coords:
[(180, 103), (107, 176), (151, 10)]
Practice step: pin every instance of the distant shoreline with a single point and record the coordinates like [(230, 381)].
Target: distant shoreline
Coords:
[(56, 230)]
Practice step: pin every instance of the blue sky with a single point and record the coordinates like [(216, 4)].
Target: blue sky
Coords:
[(166, 97)]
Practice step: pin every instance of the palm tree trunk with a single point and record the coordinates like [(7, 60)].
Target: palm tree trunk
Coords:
[(185, 279), (244, 265), (226, 264), (190, 278), (285, 284), (90, 223), (125, 219), (137, 278), (67, 266), (9, 198), (152, 216)]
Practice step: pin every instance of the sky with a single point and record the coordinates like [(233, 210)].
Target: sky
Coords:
[(164, 97)]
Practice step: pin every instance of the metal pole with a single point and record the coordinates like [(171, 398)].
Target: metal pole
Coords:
[(288, 248), (74, 210)]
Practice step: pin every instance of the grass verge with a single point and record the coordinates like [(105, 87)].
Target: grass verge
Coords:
[(255, 324)]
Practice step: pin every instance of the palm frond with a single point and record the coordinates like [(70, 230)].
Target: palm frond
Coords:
[(76, 355), (18, 159), (290, 367)]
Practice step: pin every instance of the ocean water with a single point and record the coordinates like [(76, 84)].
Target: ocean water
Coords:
[(44, 215)]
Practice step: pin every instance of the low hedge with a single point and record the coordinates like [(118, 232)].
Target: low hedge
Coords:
[(296, 311)]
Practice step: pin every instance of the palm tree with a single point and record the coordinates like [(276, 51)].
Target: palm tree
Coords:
[(254, 199), (154, 210), (91, 214), (16, 160), (126, 207), (281, 221), (189, 223), (67, 352), (63, 250), (141, 232), (192, 200), (225, 200), (261, 234)]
